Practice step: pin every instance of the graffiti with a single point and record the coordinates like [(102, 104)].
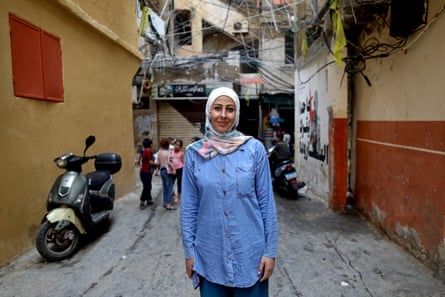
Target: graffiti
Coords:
[(310, 131)]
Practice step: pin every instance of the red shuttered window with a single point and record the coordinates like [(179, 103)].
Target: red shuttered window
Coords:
[(36, 62)]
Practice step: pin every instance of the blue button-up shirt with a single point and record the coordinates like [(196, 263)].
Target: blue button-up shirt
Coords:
[(228, 214)]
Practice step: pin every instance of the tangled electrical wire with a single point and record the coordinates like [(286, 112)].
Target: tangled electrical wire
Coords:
[(372, 49)]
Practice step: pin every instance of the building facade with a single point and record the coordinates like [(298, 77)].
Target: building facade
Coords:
[(371, 116), (66, 69), (202, 45)]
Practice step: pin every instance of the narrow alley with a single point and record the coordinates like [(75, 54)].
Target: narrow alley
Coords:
[(321, 253)]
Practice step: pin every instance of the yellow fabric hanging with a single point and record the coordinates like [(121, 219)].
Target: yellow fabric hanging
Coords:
[(340, 38), (143, 25), (304, 44)]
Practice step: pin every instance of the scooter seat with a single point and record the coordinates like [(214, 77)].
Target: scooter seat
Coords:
[(97, 178)]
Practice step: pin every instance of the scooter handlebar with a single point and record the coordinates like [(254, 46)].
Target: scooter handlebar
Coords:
[(72, 162)]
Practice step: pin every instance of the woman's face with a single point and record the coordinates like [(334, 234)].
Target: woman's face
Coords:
[(222, 114)]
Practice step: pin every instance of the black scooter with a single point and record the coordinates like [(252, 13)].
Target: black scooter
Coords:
[(284, 178), (77, 202)]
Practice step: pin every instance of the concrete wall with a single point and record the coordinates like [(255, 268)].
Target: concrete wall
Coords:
[(214, 12), (271, 55), (399, 147), (312, 119), (321, 127), (145, 126), (99, 58)]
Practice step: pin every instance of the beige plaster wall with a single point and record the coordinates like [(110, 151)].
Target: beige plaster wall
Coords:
[(97, 73), (117, 16), (398, 151), (408, 85)]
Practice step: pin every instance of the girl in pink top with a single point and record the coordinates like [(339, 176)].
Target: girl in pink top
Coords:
[(177, 156)]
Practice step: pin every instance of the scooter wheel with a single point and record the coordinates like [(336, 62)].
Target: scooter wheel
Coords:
[(55, 245)]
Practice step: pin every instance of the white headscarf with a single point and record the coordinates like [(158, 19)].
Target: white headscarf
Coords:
[(215, 94), (215, 143)]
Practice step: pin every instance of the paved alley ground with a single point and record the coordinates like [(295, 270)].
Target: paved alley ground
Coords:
[(321, 253)]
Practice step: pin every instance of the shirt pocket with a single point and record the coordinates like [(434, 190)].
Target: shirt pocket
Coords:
[(245, 181)]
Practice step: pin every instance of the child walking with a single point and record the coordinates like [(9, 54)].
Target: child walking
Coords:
[(167, 170), (146, 174), (178, 162)]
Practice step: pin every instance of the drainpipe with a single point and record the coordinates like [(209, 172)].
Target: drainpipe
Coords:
[(350, 202)]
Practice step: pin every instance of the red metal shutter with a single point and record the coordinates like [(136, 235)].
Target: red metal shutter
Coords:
[(26, 52), (52, 64)]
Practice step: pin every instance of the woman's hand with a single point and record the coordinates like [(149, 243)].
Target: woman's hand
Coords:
[(266, 268), (189, 266)]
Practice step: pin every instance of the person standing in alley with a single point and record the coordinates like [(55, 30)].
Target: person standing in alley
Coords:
[(170, 169), (279, 153), (145, 173), (166, 169), (228, 215), (178, 162), (286, 136)]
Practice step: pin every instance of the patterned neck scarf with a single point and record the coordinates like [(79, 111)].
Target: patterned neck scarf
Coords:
[(215, 143), (212, 145)]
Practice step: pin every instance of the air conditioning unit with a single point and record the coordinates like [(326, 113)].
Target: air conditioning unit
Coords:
[(240, 27)]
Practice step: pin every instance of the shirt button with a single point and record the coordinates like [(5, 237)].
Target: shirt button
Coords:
[(229, 258), (226, 213), (228, 235), (224, 192), (223, 171)]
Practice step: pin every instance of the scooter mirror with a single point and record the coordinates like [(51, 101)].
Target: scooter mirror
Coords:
[(88, 142)]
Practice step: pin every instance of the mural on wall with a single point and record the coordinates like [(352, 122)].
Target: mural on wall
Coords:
[(311, 138)]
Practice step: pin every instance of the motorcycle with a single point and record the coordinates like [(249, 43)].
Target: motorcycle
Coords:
[(284, 177), (77, 202)]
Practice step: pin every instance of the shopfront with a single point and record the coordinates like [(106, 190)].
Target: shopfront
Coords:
[(278, 112), (181, 109)]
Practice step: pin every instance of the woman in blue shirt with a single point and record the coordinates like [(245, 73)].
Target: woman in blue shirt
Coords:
[(228, 215)]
